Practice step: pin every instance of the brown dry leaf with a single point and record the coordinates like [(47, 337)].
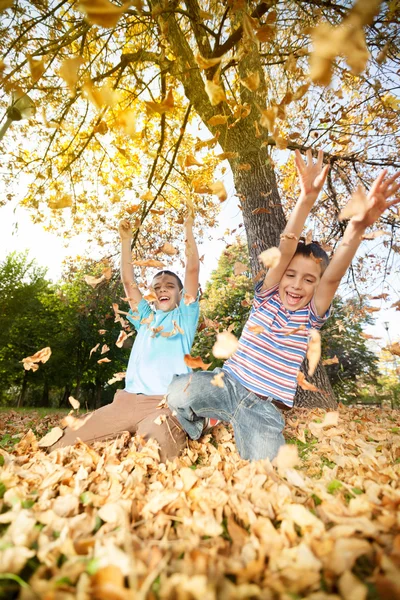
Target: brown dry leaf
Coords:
[(288, 236), (295, 330), (225, 345), (4, 4), (218, 189), (147, 196), (331, 361), (51, 438), (74, 403), (191, 161), (103, 360), (396, 305), (306, 385), (37, 67), (196, 362), (394, 348), (150, 297), (215, 92), (256, 329), (217, 379), (93, 281), (148, 320), (104, 349), (219, 120), (206, 63), (122, 337), (374, 234), (287, 457), (107, 273), (94, 349), (30, 362), (383, 296), (166, 105), (102, 12), (68, 71), (150, 262), (372, 309), (313, 350), (244, 167), (356, 206), (168, 249), (351, 588), (268, 117), (251, 82), (227, 155), (102, 331), (239, 268), (117, 377), (125, 120), (309, 237), (188, 299), (260, 211), (270, 258)]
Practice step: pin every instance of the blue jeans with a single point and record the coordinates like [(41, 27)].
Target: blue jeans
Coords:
[(257, 423)]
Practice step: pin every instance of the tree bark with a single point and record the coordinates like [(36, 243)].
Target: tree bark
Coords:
[(321, 399), (22, 395), (45, 401)]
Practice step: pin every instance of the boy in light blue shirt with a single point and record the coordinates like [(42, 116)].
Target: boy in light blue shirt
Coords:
[(165, 333)]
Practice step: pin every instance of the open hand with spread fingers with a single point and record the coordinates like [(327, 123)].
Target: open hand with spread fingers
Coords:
[(312, 175), (377, 199)]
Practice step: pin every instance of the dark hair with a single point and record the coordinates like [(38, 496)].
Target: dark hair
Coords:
[(166, 272), (313, 251)]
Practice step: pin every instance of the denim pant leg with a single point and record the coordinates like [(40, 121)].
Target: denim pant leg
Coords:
[(257, 423)]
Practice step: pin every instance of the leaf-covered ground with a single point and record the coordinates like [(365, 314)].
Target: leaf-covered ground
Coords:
[(111, 522)]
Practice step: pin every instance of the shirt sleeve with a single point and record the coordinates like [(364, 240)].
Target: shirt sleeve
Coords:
[(190, 311), (316, 321), (143, 311), (261, 295)]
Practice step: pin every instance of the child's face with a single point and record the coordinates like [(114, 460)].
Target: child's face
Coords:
[(167, 291), (299, 282)]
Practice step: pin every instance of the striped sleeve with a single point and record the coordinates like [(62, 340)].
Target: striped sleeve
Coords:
[(315, 320)]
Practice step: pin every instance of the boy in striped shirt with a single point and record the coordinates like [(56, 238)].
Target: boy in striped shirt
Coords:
[(259, 379)]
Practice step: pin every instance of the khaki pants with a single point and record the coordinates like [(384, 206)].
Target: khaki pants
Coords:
[(135, 413)]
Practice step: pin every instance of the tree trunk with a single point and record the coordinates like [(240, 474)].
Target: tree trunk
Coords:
[(321, 399), (65, 396), (45, 401), (97, 398), (22, 394)]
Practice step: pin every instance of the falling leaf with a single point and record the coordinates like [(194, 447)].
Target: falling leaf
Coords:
[(151, 262), (219, 120), (93, 281), (374, 234), (217, 379), (244, 167), (122, 337), (295, 330), (256, 329), (37, 67), (306, 385), (225, 345), (30, 363), (218, 189), (191, 161), (147, 196), (74, 403), (395, 348), (166, 105), (100, 97), (330, 361), (69, 71), (287, 457), (107, 273), (214, 92), (309, 237), (104, 349), (195, 362), (268, 116), (116, 377), (94, 349), (372, 309), (103, 360), (168, 249), (313, 350), (102, 331), (148, 320), (227, 155), (288, 236), (126, 121), (150, 297), (51, 438), (60, 202), (270, 258), (261, 211), (4, 4), (206, 63), (239, 268), (252, 81), (188, 299), (396, 305), (356, 206), (102, 12)]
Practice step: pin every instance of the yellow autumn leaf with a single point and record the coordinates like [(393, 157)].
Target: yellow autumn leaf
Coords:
[(68, 71), (102, 12), (60, 202), (270, 258), (168, 249), (191, 161), (100, 97), (214, 92), (225, 345), (268, 117), (218, 189), (126, 121), (37, 67), (166, 105), (218, 120), (206, 63), (251, 82), (147, 196), (74, 403)]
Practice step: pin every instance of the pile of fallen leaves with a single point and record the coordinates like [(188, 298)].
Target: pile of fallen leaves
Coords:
[(111, 522)]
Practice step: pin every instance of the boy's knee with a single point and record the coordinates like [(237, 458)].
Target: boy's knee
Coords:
[(177, 393)]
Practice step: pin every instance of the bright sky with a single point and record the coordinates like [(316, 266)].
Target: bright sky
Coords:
[(17, 232)]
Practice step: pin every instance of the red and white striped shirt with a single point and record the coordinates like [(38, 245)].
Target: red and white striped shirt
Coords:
[(267, 363)]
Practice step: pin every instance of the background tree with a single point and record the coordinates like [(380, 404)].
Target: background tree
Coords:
[(121, 89)]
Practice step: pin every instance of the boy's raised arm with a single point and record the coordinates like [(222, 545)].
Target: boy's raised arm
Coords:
[(192, 270), (127, 275), (376, 204), (311, 178)]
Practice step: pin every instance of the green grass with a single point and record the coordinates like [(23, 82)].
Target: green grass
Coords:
[(42, 411)]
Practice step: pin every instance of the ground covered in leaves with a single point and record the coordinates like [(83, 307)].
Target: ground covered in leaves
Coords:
[(111, 522)]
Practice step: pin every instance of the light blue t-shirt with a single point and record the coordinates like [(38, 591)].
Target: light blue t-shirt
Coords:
[(156, 358)]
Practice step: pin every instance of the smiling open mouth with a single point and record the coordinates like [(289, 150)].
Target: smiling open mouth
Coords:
[(293, 299), (163, 299)]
